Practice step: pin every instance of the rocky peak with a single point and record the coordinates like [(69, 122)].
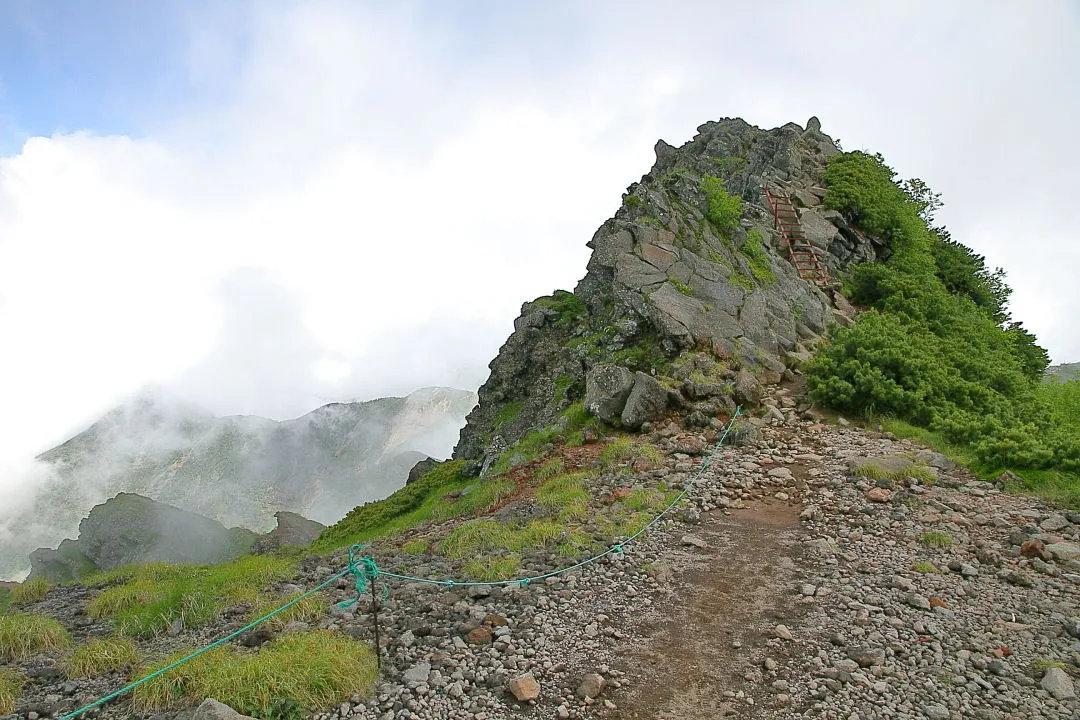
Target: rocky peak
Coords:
[(682, 267)]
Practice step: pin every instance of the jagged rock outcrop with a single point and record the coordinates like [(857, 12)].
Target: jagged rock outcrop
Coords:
[(238, 470), (1064, 372), (292, 531), (666, 279), (131, 529)]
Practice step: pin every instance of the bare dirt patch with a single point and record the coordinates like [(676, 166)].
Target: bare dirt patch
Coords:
[(730, 596)]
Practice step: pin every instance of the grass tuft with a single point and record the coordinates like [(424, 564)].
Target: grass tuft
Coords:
[(101, 655), (148, 599), (936, 538), (11, 681), (23, 635), (565, 497), (503, 567), (415, 547), (29, 592), (925, 566), (308, 610), (314, 670)]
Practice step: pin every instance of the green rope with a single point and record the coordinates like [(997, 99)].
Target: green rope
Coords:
[(364, 570)]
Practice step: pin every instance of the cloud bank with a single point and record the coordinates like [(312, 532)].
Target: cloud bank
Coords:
[(334, 200)]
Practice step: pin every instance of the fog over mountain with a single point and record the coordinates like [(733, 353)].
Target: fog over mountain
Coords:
[(238, 470)]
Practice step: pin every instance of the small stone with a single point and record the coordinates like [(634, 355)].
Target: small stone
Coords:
[(998, 667), (694, 541), (1058, 683), (418, 673), (1054, 523), (591, 686), (479, 635), (1031, 548), (917, 601), (769, 664), (877, 494), (524, 687), (211, 709), (936, 712), (867, 656), (782, 632)]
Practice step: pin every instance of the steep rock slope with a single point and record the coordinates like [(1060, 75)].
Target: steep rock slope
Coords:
[(237, 470), (681, 266)]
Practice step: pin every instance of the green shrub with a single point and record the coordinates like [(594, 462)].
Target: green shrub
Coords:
[(936, 349), (925, 566), (101, 655), (313, 670), (725, 209), (22, 635), (568, 305), (29, 592), (11, 682)]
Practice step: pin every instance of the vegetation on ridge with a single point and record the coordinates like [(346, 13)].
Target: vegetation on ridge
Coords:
[(937, 348)]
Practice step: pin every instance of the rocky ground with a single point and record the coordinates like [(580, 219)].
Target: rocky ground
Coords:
[(786, 586)]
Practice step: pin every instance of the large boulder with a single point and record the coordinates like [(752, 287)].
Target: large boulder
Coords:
[(607, 388), (747, 389), (647, 401), (421, 469), (132, 529)]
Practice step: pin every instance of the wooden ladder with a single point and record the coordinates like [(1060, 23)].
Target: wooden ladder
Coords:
[(803, 255)]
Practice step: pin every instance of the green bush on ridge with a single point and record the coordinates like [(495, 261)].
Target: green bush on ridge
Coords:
[(936, 347)]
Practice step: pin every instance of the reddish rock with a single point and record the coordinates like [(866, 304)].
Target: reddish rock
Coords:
[(878, 495), (618, 494), (938, 603), (524, 687), (1032, 548), (479, 636)]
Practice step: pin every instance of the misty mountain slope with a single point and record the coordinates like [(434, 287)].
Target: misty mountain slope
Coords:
[(238, 470)]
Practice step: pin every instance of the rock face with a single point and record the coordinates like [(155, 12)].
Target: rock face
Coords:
[(665, 277), (292, 531), (238, 470), (131, 529)]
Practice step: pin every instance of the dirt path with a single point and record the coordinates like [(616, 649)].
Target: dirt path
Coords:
[(732, 594)]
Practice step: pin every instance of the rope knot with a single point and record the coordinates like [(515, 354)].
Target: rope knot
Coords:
[(524, 582)]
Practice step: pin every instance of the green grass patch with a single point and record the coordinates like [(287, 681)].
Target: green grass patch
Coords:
[(936, 538), (314, 670), (645, 499), (148, 599), (927, 567), (415, 547), (760, 267), (11, 682), (101, 655), (5, 600), (681, 287), (508, 413), (29, 592), (474, 498), (23, 635), (308, 610), (410, 506), (619, 450), (503, 567), (565, 497), (485, 536), (574, 544), (550, 469), (568, 305), (919, 472), (741, 279), (725, 209)]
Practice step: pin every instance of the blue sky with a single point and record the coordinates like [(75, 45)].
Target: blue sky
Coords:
[(405, 175)]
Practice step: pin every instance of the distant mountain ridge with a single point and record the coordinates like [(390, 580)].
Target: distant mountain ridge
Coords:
[(238, 470), (1064, 372)]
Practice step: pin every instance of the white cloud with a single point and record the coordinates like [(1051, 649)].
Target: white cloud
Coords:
[(402, 186)]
